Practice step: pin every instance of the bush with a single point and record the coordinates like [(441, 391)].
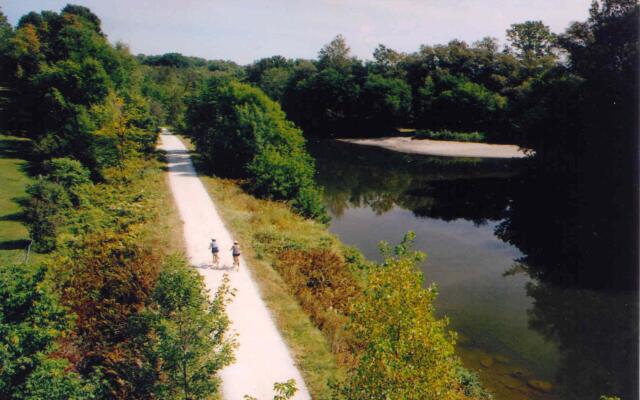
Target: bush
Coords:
[(192, 331), (67, 172), (107, 281), (43, 213), (403, 351), (470, 382), (53, 380), (325, 288), (30, 321), (448, 135)]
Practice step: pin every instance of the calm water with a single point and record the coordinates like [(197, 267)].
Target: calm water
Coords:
[(536, 291)]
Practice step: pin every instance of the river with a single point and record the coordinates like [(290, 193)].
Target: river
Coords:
[(544, 304)]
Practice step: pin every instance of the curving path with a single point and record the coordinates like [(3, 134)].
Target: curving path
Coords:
[(262, 357)]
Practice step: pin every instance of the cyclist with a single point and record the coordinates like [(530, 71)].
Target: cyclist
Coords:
[(235, 251), (214, 252)]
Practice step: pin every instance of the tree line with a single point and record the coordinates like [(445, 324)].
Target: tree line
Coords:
[(108, 313)]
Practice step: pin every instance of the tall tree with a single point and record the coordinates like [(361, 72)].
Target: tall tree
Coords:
[(335, 54), (531, 39)]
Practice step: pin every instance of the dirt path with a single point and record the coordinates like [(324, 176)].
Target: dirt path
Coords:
[(262, 357), (443, 147)]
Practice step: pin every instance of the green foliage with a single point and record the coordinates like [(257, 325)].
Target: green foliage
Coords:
[(403, 351), (31, 320), (53, 380), (531, 39), (240, 132), (470, 382), (192, 331), (44, 211), (448, 135), (67, 172), (335, 54), (389, 100), (59, 67), (283, 390), (444, 98)]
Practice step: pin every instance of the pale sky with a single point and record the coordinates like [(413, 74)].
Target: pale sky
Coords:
[(246, 30)]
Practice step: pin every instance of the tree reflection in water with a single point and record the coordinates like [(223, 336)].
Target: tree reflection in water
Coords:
[(579, 249)]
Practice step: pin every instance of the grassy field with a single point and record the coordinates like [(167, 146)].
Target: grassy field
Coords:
[(263, 226), (14, 237)]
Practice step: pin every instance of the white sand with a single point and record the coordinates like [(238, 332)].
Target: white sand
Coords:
[(262, 357), (443, 147)]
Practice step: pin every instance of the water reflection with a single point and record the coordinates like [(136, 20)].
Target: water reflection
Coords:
[(529, 269)]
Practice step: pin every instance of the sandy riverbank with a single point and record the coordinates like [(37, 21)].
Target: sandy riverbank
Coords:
[(443, 147)]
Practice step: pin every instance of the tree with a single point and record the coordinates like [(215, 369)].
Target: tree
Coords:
[(531, 40), (447, 101), (59, 68), (193, 338), (274, 82), (387, 61), (404, 352), (388, 101), (241, 132), (336, 54)]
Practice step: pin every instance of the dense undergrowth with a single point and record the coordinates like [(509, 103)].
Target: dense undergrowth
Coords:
[(101, 316)]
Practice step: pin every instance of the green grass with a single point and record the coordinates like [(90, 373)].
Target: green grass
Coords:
[(263, 227), (14, 237)]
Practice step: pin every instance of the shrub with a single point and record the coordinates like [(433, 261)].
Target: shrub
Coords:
[(470, 382), (53, 380), (67, 172), (325, 288), (107, 281), (403, 351), (449, 135), (30, 321), (193, 339), (43, 213)]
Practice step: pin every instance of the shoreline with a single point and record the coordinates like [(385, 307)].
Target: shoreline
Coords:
[(406, 144)]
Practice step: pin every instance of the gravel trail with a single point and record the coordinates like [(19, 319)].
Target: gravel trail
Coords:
[(262, 357)]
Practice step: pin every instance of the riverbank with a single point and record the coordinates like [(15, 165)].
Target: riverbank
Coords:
[(404, 144), (286, 253)]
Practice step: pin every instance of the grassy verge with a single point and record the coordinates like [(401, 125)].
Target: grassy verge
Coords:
[(264, 228), (14, 236), (449, 135)]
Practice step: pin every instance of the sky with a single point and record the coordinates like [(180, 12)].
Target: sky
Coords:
[(246, 30)]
